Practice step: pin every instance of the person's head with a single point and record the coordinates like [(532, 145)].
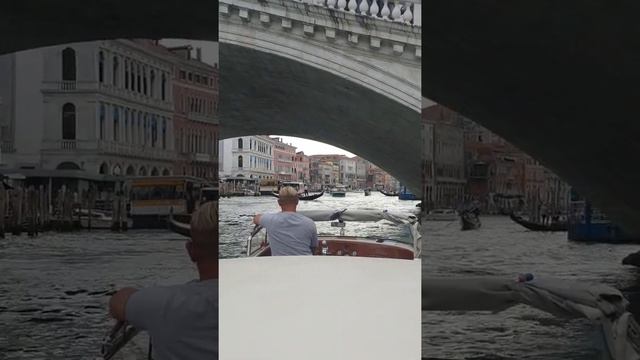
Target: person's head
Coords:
[(288, 199), (203, 246)]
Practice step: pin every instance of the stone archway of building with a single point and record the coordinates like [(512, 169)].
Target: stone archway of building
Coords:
[(117, 170), (154, 172), (142, 171), (166, 172), (104, 169), (68, 165), (130, 171)]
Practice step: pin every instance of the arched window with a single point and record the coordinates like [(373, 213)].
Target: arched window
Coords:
[(152, 85), (154, 172), (240, 161), (68, 64), (102, 117), (126, 74), (154, 130), (131, 171), (104, 169), (132, 85), (116, 70), (116, 123), (164, 87), (240, 143), (68, 121), (101, 67), (166, 172), (142, 171)]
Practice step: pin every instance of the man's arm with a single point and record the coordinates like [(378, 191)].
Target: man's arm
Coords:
[(118, 303)]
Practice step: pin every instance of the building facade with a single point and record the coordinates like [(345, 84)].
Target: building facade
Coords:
[(443, 154), (283, 160), (105, 107), (195, 94), (247, 156), (348, 173), (301, 167)]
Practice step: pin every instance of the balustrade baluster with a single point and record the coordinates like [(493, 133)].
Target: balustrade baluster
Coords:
[(385, 10), (396, 14), (353, 5), (373, 10), (342, 5), (331, 4), (364, 6), (408, 15)]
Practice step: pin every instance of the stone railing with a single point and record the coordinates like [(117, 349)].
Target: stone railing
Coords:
[(7, 147), (382, 9), (201, 117), (69, 86), (136, 96), (111, 147)]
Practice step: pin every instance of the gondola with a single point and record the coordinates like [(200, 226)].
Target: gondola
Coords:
[(180, 224), (302, 197), (470, 220), (533, 226), (388, 193)]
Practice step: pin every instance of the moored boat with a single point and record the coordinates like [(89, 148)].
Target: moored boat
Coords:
[(304, 197), (339, 191), (367, 192), (405, 244)]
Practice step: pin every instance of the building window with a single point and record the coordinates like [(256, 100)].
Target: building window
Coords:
[(68, 122), (144, 80), (68, 64), (183, 74), (126, 74), (164, 133), (115, 71), (139, 78), (132, 85), (102, 116), (190, 76), (116, 123), (153, 83), (164, 87), (126, 125), (101, 67), (240, 143), (154, 130), (240, 161)]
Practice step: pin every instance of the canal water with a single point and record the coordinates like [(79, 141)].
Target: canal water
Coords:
[(54, 288)]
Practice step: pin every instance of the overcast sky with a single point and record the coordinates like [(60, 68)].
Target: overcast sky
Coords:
[(311, 147)]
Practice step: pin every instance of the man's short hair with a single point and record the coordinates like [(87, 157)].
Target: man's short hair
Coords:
[(288, 195), (204, 227)]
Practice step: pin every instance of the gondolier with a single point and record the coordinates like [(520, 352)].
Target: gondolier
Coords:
[(289, 232)]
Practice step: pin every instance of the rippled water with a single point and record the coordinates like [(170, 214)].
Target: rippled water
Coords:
[(501, 247), (54, 288)]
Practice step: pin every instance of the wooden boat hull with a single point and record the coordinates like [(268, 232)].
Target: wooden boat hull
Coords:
[(180, 224), (407, 196), (539, 227), (360, 247), (338, 194)]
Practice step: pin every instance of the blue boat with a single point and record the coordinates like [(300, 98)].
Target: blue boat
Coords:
[(587, 223), (406, 194)]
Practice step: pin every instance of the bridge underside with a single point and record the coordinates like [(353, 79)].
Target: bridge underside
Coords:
[(555, 78), (262, 93)]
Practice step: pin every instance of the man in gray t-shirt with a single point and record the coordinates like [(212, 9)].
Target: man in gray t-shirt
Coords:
[(289, 233), (182, 320)]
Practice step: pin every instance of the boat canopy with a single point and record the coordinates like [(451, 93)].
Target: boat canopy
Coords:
[(601, 304), (359, 215)]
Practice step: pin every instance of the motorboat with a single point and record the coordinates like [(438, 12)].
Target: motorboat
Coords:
[(367, 192), (441, 215), (339, 191), (401, 238), (100, 220)]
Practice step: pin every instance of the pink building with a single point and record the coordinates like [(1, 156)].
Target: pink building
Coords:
[(283, 160), (301, 167)]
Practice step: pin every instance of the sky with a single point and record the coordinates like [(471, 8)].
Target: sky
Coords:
[(311, 147)]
